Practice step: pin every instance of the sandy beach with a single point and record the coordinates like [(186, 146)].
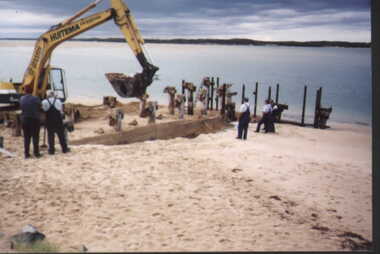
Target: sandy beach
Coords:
[(300, 189)]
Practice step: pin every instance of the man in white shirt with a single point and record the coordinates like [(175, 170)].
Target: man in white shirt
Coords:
[(270, 124), (54, 122), (244, 119), (267, 109)]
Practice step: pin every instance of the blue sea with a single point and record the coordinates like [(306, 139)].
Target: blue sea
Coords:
[(343, 73)]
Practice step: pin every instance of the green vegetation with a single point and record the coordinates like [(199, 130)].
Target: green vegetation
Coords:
[(237, 41), (39, 246), (244, 42)]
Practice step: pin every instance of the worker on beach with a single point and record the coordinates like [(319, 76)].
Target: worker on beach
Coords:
[(267, 110), (244, 119), (270, 126), (30, 117), (54, 122)]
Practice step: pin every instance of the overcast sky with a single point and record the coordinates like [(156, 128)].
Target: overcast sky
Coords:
[(277, 20)]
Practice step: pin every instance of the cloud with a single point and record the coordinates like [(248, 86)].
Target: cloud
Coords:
[(277, 20), (25, 18)]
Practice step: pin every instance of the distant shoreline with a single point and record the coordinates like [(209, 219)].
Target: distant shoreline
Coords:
[(344, 44)]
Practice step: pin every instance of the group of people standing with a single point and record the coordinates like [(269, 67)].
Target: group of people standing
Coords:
[(31, 107), (267, 119)]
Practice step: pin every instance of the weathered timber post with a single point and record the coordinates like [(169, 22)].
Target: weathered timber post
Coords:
[(152, 107), (1, 142), (110, 101), (269, 92), (208, 97), (119, 118), (217, 97), (255, 94), (212, 93), (180, 103), (183, 87), (190, 97), (223, 109), (190, 103), (171, 91), (317, 106), (304, 106), (242, 94), (277, 92)]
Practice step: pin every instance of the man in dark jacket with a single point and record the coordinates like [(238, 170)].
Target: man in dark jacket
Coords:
[(244, 119), (30, 117), (54, 122)]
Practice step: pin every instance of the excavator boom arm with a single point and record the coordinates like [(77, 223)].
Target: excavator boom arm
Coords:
[(36, 74)]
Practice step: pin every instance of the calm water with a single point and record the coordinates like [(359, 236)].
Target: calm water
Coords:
[(344, 73)]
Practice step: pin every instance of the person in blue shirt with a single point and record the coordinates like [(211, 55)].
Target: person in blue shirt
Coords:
[(54, 122), (30, 118)]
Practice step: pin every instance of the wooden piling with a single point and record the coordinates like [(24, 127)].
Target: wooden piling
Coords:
[(208, 98), (277, 92), (1, 142), (255, 93), (269, 92), (212, 93), (190, 104), (183, 87), (223, 109), (304, 106), (217, 97), (243, 94), (317, 106)]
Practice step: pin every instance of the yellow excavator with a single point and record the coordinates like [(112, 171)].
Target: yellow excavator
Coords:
[(41, 76)]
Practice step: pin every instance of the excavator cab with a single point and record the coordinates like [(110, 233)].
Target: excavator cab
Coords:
[(57, 81)]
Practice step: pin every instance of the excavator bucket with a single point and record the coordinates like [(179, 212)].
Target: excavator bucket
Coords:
[(127, 86)]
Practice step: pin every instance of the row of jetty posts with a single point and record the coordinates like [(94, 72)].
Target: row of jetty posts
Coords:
[(211, 91)]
